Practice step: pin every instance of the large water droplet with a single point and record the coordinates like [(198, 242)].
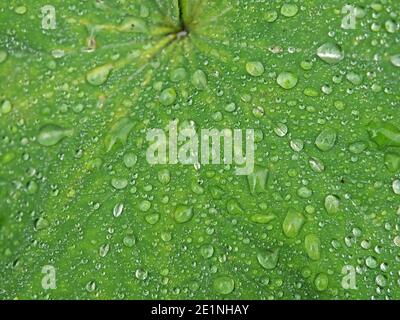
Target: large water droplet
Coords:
[(326, 139), (293, 223), (330, 53), (199, 80), (168, 96), (51, 134), (395, 60), (224, 285), (287, 80), (332, 204), (255, 68), (268, 259), (99, 75), (183, 214), (312, 246)]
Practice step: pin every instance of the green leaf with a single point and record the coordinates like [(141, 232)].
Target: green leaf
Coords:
[(80, 203)]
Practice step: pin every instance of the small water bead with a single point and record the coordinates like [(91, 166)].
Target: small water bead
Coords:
[(231, 107), (90, 286), (199, 80), (312, 246), (99, 75), (129, 241), (152, 218), (32, 187), (41, 224), (396, 241), (164, 176), (207, 251), (358, 147), (354, 78), (297, 145), (21, 10), (304, 192), (271, 16), (381, 280), (326, 139), (168, 96), (316, 165), (289, 10), (118, 210), (293, 223), (332, 204), (224, 285), (371, 262), (281, 130), (262, 218), (178, 75), (311, 92), (255, 68), (130, 159), (396, 186), (321, 282), (391, 26), (306, 65), (287, 80), (3, 55), (145, 206), (331, 53), (395, 60), (183, 214), (104, 249), (51, 135), (6, 107), (141, 274), (119, 183), (268, 259)]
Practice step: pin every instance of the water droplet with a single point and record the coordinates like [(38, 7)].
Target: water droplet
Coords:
[(381, 280), (371, 262), (289, 10), (51, 134), (395, 60), (199, 80), (207, 251), (3, 56), (118, 210), (257, 180), (281, 130), (304, 192), (99, 75), (321, 282), (164, 176), (183, 214), (332, 204), (178, 75), (41, 224), (21, 10), (145, 206), (330, 53), (119, 183), (129, 241), (255, 68), (262, 218), (119, 132), (130, 159), (287, 80), (312, 245), (396, 186), (141, 274), (90, 286), (233, 207), (358, 147), (268, 259), (271, 16), (297, 145), (392, 161), (326, 139), (354, 78), (293, 223), (316, 165), (224, 285), (152, 218), (168, 96), (104, 249), (384, 134), (6, 107)]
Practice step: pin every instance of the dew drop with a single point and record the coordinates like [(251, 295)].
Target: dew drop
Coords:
[(332, 204), (51, 134), (99, 75), (168, 96), (118, 210), (330, 53), (293, 223), (268, 259), (255, 68), (287, 80), (395, 60), (199, 80), (183, 214), (224, 285)]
